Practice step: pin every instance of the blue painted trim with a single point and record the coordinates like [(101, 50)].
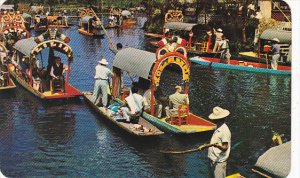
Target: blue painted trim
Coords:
[(243, 68)]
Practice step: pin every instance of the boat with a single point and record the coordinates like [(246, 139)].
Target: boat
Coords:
[(198, 36), (6, 83), (40, 23), (143, 128), (148, 67), (35, 78), (241, 65), (90, 24), (153, 35), (57, 22), (120, 18), (264, 46), (275, 162)]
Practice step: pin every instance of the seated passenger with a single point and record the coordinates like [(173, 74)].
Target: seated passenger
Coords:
[(147, 103), (175, 100), (135, 105), (57, 72)]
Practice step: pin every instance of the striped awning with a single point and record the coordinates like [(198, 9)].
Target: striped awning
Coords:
[(135, 61), (25, 46), (283, 35)]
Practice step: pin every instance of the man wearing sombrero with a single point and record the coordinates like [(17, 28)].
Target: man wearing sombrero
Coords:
[(275, 51), (102, 77), (220, 143)]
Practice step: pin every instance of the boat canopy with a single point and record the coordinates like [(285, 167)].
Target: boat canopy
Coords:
[(25, 46), (86, 19), (179, 26), (277, 160), (135, 61), (283, 35)]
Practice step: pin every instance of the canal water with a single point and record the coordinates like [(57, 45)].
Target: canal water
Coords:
[(69, 139)]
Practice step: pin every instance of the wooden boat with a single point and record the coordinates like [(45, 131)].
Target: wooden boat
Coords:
[(264, 46), (148, 67), (241, 65), (27, 51), (275, 162), (191, 32), (89, 23), (146, 130), (57, 22), (40, 23), (8, 83), (153, 35)]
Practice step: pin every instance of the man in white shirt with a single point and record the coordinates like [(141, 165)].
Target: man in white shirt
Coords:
[(224, 49), (135, 105), (147, 103), (219, 35), (102, 77), (57, 72), (220, 143)]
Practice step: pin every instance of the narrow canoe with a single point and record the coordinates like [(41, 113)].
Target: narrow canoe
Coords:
[(241, 65), (196, 124), (128, 127), (11, 85), (71, 92)]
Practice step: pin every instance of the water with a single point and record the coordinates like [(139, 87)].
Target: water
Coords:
[(69, 139)]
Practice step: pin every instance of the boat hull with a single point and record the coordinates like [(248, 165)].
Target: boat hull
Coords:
[(71, 92), (128, 127), (196, 125), (242, 65), (82, 31)]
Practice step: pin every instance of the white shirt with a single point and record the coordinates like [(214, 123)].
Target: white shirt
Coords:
[(135, 102), (102, 72), (65, 67), (221, 135)]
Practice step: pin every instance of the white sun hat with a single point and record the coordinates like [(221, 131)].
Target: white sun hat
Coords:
[(219, 30), (103, 61), (218, 113), (276, 39)]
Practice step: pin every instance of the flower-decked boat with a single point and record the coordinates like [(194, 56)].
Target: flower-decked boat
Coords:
[(6, 83), (27, 65), (149, 67), (90, 24)]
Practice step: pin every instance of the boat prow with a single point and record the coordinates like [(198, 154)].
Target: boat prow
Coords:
[(143, 128)]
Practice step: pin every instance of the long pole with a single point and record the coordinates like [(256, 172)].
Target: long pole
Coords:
[(109, 39)]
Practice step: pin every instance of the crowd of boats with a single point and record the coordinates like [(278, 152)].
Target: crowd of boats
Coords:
[(21, 59)]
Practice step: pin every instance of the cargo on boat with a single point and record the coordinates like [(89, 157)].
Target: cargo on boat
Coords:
[(28, 68)]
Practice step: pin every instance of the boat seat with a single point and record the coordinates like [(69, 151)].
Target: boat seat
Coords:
[(57, 85), (182, 118)]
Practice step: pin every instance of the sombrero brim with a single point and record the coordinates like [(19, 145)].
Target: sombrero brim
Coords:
[(224, 114)]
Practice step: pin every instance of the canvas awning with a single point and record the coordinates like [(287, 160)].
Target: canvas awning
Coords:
[(135, 61), (179, 26), (25, 46), (277, 160), (86, 19), (283, 35)]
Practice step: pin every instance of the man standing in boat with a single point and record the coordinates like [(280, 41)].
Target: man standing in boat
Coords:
[(147, 103), (224, 49), (219, 35), (275, 51), (175, 100), (220, 143), (102, 77), (57, 72)]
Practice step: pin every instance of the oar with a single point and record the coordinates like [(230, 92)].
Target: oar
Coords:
[(110, 41), (185, 151)]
